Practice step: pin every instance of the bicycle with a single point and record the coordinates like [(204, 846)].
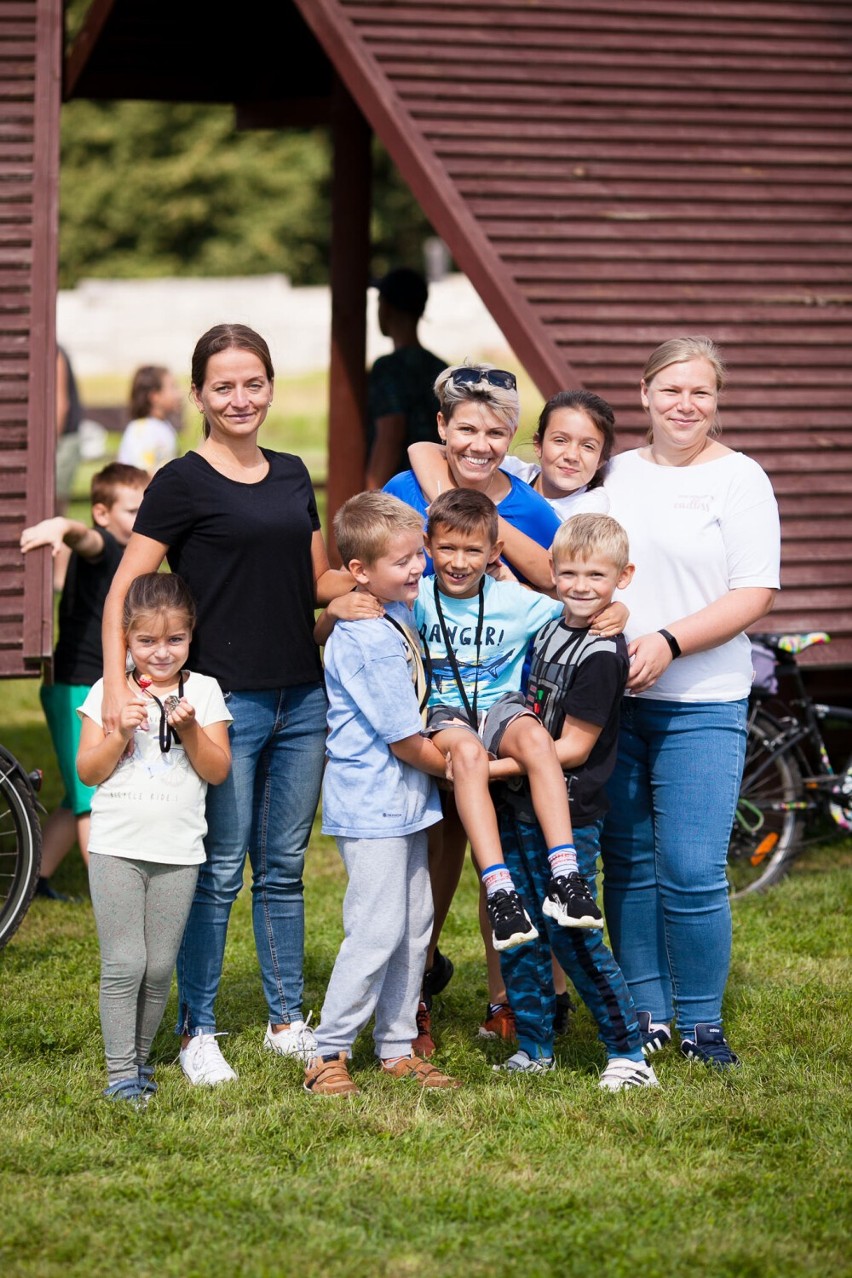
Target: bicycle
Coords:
[(20, 842), (791, 796)]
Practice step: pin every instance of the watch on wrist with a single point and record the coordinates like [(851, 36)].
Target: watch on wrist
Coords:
[(671, 641)]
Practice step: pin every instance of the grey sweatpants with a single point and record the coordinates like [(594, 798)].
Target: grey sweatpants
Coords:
[(387, 921), (141, 908)]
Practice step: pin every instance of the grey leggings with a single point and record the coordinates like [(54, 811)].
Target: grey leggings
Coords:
[(141, 908)]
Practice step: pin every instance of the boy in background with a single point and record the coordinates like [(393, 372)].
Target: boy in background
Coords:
[(575, 687), (378, 801), (96, 552)]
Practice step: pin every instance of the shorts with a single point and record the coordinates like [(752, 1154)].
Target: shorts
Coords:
[(60, 702), (493, 722)]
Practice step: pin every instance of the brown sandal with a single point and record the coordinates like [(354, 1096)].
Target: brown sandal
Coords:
[(329, 1077), (423, 1072)]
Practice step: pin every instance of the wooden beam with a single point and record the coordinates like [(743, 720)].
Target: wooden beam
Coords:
[(350, 251)]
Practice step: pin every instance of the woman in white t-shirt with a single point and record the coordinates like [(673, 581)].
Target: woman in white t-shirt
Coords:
[(150, 439), (704, 535)]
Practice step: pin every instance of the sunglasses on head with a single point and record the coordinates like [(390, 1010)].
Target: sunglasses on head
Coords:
[(493, 376)]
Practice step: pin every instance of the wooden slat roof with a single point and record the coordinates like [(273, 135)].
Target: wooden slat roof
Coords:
[(608, 175)]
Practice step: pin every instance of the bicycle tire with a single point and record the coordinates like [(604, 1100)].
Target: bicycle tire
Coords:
[(20, 848), (765, 837)]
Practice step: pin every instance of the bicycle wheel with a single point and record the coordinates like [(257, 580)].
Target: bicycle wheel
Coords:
[(767, 827), (20, 848)]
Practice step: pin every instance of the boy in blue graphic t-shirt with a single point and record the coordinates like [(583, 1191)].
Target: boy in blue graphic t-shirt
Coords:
[(475, 632)]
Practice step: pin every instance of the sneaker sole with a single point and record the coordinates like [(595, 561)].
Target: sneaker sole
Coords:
[(514, 941), (558, 913)]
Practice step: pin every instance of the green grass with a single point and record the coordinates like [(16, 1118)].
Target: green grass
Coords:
[(741, 1175)]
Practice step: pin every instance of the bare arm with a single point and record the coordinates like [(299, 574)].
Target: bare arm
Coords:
[(99, 751), (421, 754), (428, 461), (357, 605), (708, 628), (387, 446), (142, 555), (572, 749), (208, 749), (329, 583), (60, 531), (63, 396)]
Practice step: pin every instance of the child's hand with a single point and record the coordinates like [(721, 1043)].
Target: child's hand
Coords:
[(133, 715), (49, 532), (357, 605), (610, 621), (500, 571), (181, 715)]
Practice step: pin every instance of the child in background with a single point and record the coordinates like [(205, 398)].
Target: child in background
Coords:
[(150, 439), (78, 659), (148, 822), (378, 800), (476, 631), (575, 687)]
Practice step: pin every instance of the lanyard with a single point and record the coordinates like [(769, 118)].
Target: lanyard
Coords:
[(470, 709), (167, 733)]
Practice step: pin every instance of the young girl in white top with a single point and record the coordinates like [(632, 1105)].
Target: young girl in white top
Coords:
[(148, 821), (150, 439)]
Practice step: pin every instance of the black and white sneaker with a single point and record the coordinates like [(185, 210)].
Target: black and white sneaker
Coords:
[(709, 1046), (570, 903), (655, 1035), (510, 923)]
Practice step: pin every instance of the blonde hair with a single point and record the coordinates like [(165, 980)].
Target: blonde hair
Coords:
[(504, 404), (365, 524), (583, 536), (677, 350)]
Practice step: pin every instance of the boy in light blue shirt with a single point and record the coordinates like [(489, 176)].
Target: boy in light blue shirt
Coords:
[(476, 632), (379, 799)]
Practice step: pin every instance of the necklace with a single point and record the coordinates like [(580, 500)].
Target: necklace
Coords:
[(167, 733)]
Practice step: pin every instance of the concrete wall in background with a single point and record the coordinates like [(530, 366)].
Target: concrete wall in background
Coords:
[(113, 326)]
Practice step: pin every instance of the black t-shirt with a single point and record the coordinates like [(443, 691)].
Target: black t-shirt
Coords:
[(577, 674), (78, 657), (244, 550)]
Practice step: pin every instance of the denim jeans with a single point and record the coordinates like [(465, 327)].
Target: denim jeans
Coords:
[(673, 794), (580, 952), (265, 807)]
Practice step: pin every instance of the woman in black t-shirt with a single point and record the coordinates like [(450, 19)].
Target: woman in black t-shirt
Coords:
[(240, 525)]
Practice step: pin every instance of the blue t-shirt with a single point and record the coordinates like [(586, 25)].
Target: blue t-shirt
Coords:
[(512, 615), (523, 508), (367, 792)]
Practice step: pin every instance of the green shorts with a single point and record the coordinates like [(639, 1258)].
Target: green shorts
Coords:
[(60, 702)]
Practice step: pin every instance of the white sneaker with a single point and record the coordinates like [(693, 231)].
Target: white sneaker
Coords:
[(621, 1073), (203, 1063), (296, 1040)]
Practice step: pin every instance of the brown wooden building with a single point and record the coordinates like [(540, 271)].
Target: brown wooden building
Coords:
[(607, 174)]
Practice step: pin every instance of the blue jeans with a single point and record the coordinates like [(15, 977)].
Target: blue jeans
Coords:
[(580, 952), (266, 807), (673, 794)]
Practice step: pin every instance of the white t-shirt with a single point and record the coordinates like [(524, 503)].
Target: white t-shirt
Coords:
[(148, 442), (695, 532), (583, 501), (152, 806)]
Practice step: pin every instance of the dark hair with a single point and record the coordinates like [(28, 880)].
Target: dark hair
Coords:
[(599, 412), (463, 510), (147, 380), (157, 592), (227, 337), (114, 476)]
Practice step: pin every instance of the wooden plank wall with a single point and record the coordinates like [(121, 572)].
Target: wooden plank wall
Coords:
[(628, 172), (29, 163)]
